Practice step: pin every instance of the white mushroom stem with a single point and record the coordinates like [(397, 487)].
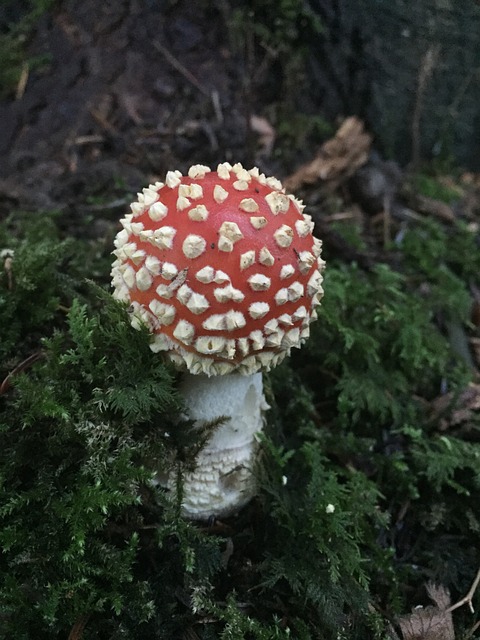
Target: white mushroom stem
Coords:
[(223, 480)]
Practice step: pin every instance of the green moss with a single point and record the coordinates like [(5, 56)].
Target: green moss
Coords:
[(432, 187), (363, 497)]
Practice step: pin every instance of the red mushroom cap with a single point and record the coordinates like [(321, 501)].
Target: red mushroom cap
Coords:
[(222, 267)]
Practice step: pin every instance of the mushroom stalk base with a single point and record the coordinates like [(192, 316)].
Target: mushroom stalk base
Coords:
[(223, 480)]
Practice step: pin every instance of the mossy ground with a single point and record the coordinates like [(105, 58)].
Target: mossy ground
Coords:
[(365, 493)]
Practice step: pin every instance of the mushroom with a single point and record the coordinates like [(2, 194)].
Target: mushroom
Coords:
[(223, 269)]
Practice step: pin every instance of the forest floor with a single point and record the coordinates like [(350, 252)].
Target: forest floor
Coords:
[(110, 96)]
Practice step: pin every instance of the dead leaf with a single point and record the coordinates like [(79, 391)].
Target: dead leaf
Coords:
[(337, 159), (430, 623)]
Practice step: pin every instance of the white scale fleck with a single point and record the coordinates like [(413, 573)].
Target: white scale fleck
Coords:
[(182, 203), (121, 239), (287, 271), (224, 244), (193, 246), (164, 291), (247, 259), (173, 179), (221, 277), (215, 322), (243, 346), (136, 228), (153, 265), (259, 282), (198, 171), (300, 314), (138, 256), (281, 297), (304, 227), (285, 319), (314, 284), (210, 344), (137, 208), (129, 277), (298, 203), (205, 275), (266, 258), (223, 170), (249, 205), (295, 291), (258, 309), (165, 313), (235, 320), (184, 190), (274, 183), (306, 260), (184, 331), (143, 279), (129, 249), (262, 179), (258, 340), (219, 194), (283, 236), (317, 247), (169, 271), (240, 185), (157, 211), (254, 172), (198, 213), (140, 198), (149, 197), (278, 202), (291, 338), (146, 235), (228, 293), (258, 222), (196, 191), (161, 342), (163, 237), (275, 339), (241, 173), (195, 302), (271, 326), (229, 321), (230, 230)]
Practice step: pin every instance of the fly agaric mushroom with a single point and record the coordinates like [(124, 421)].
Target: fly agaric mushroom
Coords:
[(224, 270)]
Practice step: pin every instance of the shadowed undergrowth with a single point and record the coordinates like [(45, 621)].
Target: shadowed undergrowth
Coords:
[(367, 491)]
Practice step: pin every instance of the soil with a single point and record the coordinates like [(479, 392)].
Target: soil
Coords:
[(131, 89)]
